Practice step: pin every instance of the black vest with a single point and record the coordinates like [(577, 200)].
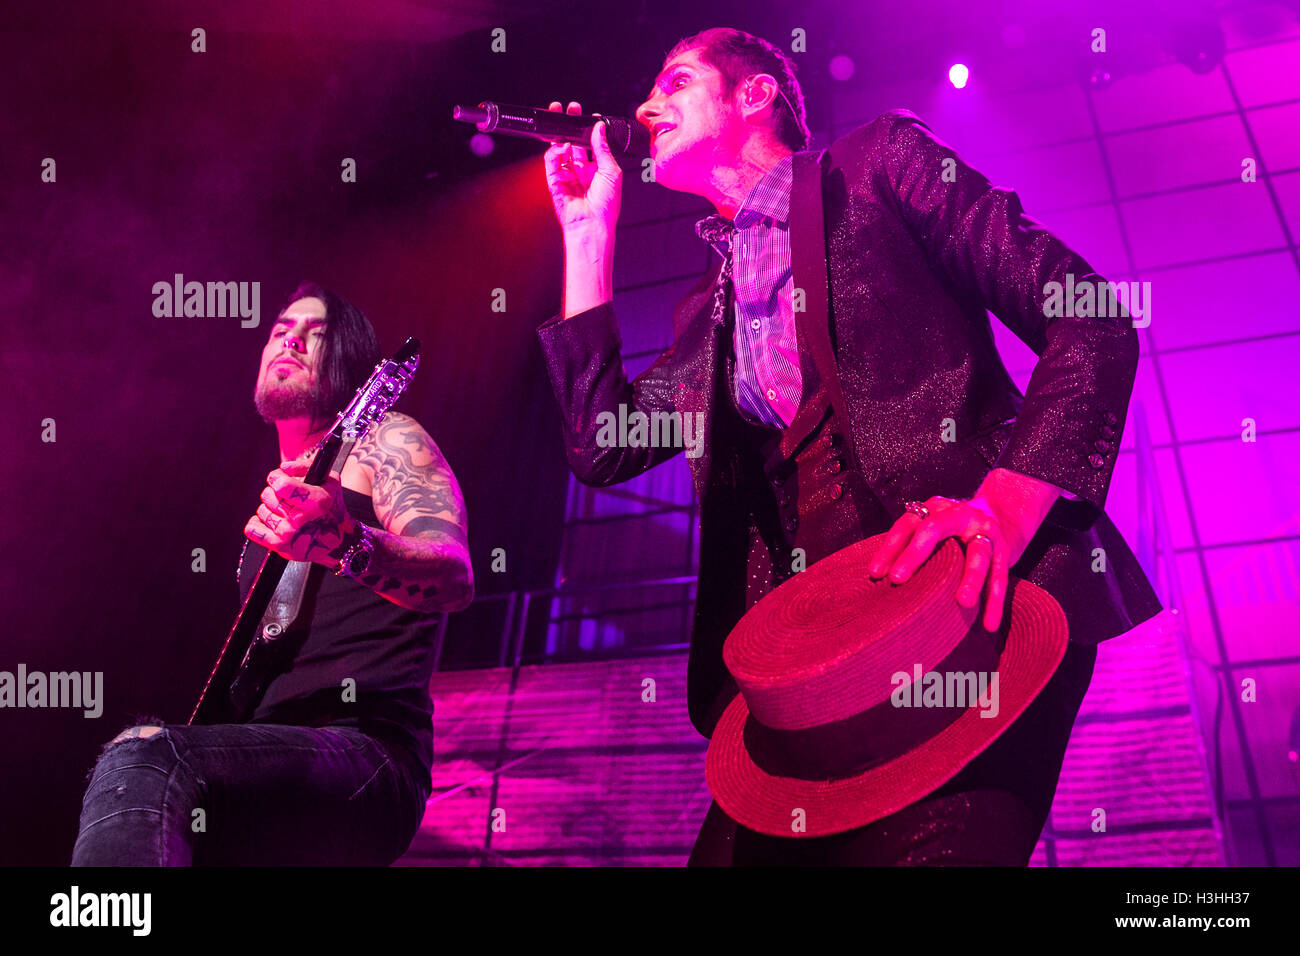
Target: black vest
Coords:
[(801, 484)]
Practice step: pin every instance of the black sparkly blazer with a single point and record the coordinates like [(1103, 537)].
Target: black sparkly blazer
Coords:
[(901, 249)]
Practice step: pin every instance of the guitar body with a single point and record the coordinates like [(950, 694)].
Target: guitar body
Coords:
[(254, 651), (274, 645), (247, 660)]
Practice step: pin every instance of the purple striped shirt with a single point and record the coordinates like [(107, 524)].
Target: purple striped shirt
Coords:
[(768, 381)]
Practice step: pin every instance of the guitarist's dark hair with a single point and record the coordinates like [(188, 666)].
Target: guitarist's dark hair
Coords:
[(350, 350)]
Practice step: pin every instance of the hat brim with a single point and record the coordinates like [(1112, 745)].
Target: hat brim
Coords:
[(1036, 643)]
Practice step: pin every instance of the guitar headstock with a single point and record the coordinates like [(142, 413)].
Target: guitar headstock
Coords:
[(373, 400)]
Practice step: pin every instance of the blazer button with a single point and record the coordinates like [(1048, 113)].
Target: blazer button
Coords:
[(835, 466), (1110, 418), (791, 523), (1107, 431), (1096, 461), (778, 480), (837, 491), (1101, 445)]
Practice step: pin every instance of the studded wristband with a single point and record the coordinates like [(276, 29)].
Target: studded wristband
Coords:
[(357, 558)]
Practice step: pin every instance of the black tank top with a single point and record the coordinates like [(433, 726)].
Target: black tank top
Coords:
[(345, 631)]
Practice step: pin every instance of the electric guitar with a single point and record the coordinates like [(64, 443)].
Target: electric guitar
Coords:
[(250, 657)]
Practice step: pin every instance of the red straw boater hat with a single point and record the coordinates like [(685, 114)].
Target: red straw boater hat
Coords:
[(830, 730)]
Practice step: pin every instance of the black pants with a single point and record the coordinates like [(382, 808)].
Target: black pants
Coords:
[(990, 814), (269, 795)]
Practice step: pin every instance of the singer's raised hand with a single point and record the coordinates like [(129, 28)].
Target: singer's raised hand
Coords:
[(586, 193)]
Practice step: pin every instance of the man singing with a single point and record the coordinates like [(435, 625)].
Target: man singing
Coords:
[(333, 766), (841, 354)]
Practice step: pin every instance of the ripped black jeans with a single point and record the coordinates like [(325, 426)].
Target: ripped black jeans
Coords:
[(248, 795)]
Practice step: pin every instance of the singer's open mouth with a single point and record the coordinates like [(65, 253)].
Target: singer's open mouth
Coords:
[(658, 136)]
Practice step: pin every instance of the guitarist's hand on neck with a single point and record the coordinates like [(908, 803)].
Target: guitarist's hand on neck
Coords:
[(426, 567), (302, 522)]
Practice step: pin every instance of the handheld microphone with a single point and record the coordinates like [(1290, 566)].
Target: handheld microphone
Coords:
[(625, 137)]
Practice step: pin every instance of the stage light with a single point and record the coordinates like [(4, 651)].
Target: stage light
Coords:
[(958, 75), (481, 145), (842, 67), (1197, 44), (1099, 78)]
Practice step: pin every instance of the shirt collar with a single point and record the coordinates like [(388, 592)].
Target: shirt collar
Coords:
[(770, 197)]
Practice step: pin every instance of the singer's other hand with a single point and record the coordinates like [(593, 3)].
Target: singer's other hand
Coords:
[(586, 192)]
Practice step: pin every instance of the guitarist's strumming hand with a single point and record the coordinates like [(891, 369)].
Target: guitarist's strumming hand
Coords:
[(302, 522)]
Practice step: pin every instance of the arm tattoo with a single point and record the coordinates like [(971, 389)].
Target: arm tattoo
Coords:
[(314, 531), (423, 560), (426, 526)]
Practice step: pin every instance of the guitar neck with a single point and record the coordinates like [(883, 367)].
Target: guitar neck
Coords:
[(214, 705)]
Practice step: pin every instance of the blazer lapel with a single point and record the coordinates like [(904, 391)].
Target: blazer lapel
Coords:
[(699, 345), (812, 325)]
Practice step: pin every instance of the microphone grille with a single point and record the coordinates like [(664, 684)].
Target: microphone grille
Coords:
[(627, 136)]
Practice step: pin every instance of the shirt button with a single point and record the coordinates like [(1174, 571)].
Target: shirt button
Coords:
[(771, 394), (837, 491), (791, 523), (1101, 445), (1107, 431), (1110, 418), (756, 325), (1096, 461)]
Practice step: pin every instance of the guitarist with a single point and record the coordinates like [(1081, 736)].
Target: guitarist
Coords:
[(333, 767)]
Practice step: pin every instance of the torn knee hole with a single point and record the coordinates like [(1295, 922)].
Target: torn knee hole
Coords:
[(142, 732)]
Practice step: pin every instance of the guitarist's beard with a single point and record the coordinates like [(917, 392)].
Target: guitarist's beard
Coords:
[(277, 401)]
